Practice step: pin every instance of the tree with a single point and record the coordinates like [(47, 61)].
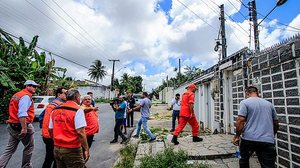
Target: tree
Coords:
[(130, 83), (96, 71)]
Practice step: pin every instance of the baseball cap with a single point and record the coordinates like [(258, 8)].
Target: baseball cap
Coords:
[(31, 82), (191, 86)]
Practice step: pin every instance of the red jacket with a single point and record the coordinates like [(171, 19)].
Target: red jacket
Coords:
[(91, 122), (186, 101)]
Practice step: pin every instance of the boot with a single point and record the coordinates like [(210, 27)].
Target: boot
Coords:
[(197, 139), (174, 140)]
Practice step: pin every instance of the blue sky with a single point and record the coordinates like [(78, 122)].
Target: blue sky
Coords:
[(147, 38)]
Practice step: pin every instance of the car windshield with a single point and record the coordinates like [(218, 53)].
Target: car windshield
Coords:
[(37, 99), (51, 99), (137, 96)]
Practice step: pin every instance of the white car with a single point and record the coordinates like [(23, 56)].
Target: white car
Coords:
[(138, 98), (40, 103)]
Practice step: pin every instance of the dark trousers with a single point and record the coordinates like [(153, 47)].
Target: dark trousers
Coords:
[(175, 115), (49, 158), (129, 117), (68, 157), (90, 140), (117, 129), (266, 153)]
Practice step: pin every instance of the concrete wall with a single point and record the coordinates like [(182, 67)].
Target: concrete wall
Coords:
[(276, 72), (98, 91)]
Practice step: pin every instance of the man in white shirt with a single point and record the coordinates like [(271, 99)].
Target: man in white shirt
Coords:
[(175, 106)]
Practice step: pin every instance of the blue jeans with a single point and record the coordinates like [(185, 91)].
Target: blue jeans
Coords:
[(175, 115), (144, 121), (266, 153)]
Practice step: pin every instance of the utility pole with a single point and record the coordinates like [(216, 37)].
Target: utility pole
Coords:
[(253, 18), (224, 45), (112, 75), (179, 66)]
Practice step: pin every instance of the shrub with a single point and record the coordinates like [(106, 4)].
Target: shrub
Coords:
[(127, 157), (169, 158), (102, 100)]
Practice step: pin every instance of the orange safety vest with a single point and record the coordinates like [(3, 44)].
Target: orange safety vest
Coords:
[(14, 106), (187, 99), (48, 110), (91, 122), (64, 131)]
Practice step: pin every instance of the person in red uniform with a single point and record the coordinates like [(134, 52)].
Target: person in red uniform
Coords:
[(21, 115), (60, 94), (91, 117), (187, 115), (67, 127)]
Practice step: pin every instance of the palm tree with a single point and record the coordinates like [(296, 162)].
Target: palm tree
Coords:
[(96, 71)]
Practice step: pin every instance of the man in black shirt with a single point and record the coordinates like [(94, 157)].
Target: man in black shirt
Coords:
[(130, 105)]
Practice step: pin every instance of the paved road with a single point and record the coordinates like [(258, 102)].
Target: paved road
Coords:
[(102, 153)]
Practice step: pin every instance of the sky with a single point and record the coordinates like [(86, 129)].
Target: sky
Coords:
[(147, 36)]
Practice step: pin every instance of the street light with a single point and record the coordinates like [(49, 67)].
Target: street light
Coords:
[(279, 3)]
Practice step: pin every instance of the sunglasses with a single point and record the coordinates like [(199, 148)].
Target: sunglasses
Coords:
[(34, 86)]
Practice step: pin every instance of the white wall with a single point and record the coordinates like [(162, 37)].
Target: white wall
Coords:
[(98, 91)]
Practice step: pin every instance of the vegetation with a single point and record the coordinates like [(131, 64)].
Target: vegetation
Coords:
[(18, 63), (127, 157), (189, 74), (96, 71), (129, 83), (160, 133), (102, 100), (169, 158)]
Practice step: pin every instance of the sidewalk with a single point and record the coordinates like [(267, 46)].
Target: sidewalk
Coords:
[(216, 150)]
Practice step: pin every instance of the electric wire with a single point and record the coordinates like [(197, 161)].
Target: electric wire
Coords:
[(44, 49)]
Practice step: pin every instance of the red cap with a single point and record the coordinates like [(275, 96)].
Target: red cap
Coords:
[(192, 86)]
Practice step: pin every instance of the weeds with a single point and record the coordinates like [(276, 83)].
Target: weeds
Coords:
[(127, 157), (169, 158)]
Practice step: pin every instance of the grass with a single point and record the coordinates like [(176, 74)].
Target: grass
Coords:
[(127, 157), (102, 100), (169, 159), (160, 133)]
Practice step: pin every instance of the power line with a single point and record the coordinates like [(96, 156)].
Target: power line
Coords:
[(195, 14), (81, 27), (67, 22), (238, 10), (14, 36), (55, 22)]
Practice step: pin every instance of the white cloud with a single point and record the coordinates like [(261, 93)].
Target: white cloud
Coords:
[(132, 32)]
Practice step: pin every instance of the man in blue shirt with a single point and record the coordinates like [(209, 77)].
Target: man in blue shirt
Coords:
[(256, 127), (119, 107)]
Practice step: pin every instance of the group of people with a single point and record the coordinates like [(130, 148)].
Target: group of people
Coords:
[(127, 107), (68, 127), (256, 125)]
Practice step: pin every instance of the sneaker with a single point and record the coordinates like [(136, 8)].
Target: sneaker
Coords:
[(135, 136), (124, 141), (152, 139), (172, 130), (114, 141)]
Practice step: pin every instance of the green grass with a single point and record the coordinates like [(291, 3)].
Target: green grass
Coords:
[(102, 100), (169, 159), (127, 157)]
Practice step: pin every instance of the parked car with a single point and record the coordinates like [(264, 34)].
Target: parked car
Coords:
[(40, 103), (138, 98)]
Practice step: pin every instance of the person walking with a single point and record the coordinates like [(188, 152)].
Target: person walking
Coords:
[(187, 115), (91, 117), (119, 108), (144, 108), (60, 94), (20, 128), (67, 127), (130, 114), (256, 127), (175, 106)]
